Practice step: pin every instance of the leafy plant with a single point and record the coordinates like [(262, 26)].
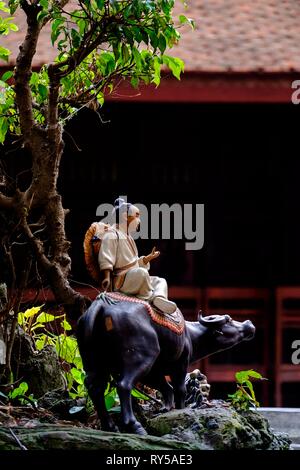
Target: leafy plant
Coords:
[(36, 324), (18, 395), (244, 397)]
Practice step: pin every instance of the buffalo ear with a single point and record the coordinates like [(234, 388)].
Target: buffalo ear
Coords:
[(199, 315)]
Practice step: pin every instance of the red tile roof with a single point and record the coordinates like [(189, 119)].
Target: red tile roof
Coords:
[(243, 36), (231, 35)]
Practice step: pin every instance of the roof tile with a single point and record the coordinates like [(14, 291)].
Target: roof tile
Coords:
[(231, 35)]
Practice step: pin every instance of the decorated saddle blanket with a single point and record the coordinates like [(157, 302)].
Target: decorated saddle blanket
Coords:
[(174, 322)]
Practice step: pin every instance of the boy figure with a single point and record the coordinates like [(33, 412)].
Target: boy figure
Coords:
[(120, 263)]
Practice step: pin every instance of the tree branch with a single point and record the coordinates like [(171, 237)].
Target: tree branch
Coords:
[(60, 286), (61, 4), (86, 47), (23, 69), (52, 117), (6, 202)]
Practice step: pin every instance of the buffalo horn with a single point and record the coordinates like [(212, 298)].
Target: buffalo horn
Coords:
[(213, 320)]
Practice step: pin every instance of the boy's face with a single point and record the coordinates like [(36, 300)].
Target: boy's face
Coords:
[(133, 221)]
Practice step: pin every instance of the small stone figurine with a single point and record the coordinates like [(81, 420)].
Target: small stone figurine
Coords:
[(197, 389)]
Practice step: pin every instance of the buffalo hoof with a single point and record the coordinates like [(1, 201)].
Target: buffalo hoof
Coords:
[(136, 428), (165, 409), (140, 430), (162, 410), (114, 428), (111, 427)]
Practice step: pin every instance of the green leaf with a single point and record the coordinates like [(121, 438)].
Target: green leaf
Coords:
[(137, 58), (144, 36), (66, 325), (34, 79), (156, 77), (253, 373), (3, 129), (44, 3), (244, 375), (162, 43), (30, 312), (106, 63), (109, 402), (78, 375), (137, 394), (66, 347), (125, 53), (82, 25), (77, 361), (128, 35), (137, 34), (250, 386), (100, 98), (153, 38), (7, 75), (76, 38), (42, 14), (56, 29), (135, 82), (116, 50), (100, 4), (241, 376), (43, 91), (183, 19), (3, 7), (13, 5), (111, 398), (40, 343), (13, 27), (45, 318), (20, 390), (175, 65), (4, 53)]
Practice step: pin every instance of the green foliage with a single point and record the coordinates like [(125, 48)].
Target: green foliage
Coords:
[(99, 43), (244, 397), (112, 399), (111, 396), (6, 26), (36, 323), (20, 390), (9, 119), (18, 395)]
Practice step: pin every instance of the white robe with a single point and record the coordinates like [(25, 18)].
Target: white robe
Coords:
[(119, 254)]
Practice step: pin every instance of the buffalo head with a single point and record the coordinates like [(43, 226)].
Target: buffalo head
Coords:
[(223, 332)]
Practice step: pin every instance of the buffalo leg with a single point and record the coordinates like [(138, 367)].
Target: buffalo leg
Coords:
[(96, 385), (133, 371), (166, 389), (178, 383)]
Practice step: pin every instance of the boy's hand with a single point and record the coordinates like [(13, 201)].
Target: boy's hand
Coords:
[(154, 254), (105, 284)]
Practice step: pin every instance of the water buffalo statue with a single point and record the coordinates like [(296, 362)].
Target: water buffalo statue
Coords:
[(122, 341)]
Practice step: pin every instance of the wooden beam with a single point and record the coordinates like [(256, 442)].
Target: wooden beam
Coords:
[(197, 87)]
